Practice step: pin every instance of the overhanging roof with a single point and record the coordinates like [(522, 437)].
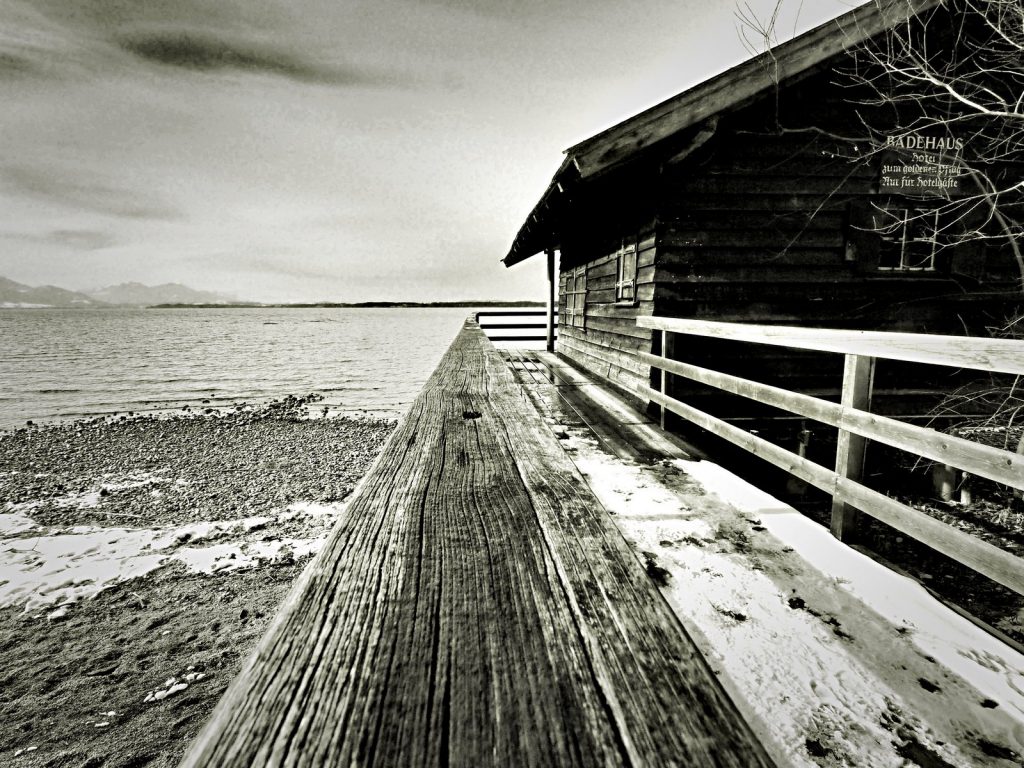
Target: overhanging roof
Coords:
[(729, 90)]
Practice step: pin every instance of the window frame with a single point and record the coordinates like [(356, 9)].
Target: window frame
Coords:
[(576, 296), (626, 275), (897, 239)]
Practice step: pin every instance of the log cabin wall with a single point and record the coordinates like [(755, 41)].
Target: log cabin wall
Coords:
[(610, 223), (756, 202), (601, 334), (770, 222)]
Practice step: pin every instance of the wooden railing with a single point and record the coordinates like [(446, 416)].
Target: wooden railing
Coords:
[(857, 425), (519, 330)]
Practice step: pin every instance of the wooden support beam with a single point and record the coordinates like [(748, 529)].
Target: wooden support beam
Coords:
[(858, 379), (551, 300), (667, 351)]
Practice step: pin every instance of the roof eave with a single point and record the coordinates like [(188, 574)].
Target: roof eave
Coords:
[(741, 83), (537, 233), (626, 140)]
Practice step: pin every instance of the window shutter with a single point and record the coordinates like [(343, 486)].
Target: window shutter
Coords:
[(625, 285), (969, 257), (863, 241)]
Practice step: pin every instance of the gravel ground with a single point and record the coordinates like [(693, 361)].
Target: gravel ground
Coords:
[(224, 465), (127, 677)]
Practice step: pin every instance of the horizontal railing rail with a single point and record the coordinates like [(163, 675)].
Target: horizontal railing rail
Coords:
[(528, 331), (856, 424), (983, 354)]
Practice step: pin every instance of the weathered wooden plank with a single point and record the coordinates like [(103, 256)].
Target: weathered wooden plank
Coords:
[(707, 274), (621, 310), (603, 267), (995, 355), (583, 360), (683, 237), (790, 222), (626, 379), (678, 262), (775, 185), (475, 606), (614, 339), (793, 164), (676, 202), (624, 326), (603, 296), (505, 326), (645, 292)]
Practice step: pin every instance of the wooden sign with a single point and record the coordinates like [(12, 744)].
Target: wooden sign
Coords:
[(920, 165)]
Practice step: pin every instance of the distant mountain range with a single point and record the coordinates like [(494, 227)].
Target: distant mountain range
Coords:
[(172, 295), (14, 294)]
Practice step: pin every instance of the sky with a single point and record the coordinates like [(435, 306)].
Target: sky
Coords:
[(323, 150)]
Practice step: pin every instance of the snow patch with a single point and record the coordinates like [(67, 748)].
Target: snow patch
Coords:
[(823, 649), (56, 568), (15, 523)]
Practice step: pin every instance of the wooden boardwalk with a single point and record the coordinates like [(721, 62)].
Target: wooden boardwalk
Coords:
[(475, 607)]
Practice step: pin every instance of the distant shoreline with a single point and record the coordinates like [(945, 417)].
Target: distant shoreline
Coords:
[(354, 305), (313, 305)]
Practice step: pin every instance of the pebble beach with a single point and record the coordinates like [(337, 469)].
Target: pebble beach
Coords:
[(142, 557)]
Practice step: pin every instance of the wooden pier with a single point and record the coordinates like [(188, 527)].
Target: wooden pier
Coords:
[(475, 607)]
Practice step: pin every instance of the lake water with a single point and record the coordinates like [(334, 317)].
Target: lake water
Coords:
[(57, 363)]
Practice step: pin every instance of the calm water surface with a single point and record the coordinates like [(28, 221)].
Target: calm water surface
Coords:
[(57, 363)]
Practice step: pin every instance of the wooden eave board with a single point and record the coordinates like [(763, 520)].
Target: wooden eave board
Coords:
[(722, 93), (475, 606), (740, 83), (536, 233)]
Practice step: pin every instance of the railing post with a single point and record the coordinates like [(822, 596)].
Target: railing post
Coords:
[(551, 300), (667, 342), (858, 378)]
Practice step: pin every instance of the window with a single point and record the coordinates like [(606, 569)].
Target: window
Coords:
[(575, 298), (625, 282), (908, 240)]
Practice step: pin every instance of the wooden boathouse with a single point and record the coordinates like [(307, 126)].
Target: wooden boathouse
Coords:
[(476, 605), (759, 197), (759, 260)]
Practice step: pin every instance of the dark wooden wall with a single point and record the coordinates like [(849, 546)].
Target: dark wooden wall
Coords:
[(608, 339), (768, 222)]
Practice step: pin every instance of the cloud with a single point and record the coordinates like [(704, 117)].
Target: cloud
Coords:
[(76, 239), (90, 196), (89, 37), (206, 52), (12, 65), (82, 239)]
